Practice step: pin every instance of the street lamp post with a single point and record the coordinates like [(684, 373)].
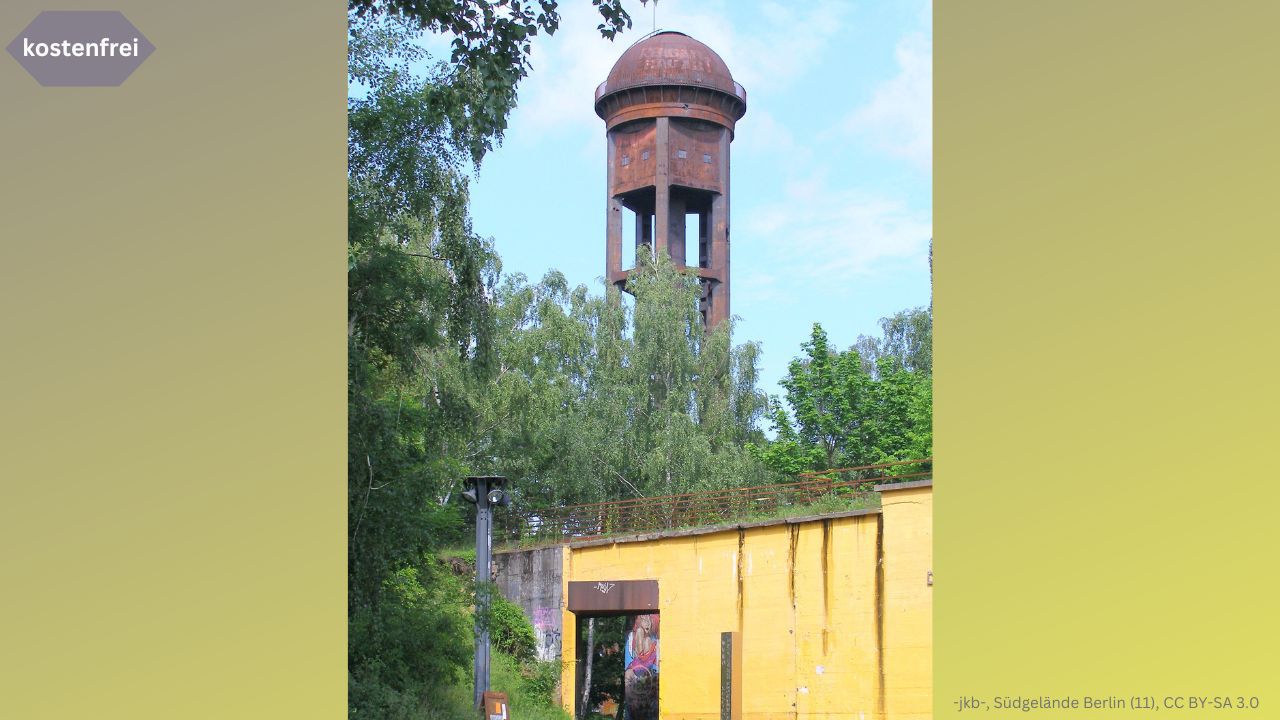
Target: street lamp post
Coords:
[(485, 492)]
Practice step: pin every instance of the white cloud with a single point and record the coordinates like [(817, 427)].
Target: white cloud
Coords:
[(899, 117), (767, 137), (831, 235), (828, 231), (791, 42), (780, 44), (567, 67), (761, 287)]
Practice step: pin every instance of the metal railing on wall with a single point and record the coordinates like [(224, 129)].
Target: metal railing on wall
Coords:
[(818, 491)]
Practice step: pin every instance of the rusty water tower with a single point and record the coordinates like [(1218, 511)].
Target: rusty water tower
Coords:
[(669, 106)]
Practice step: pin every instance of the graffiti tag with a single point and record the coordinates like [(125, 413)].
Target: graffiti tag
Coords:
[(544, 617), (605, 587), (550, 639)]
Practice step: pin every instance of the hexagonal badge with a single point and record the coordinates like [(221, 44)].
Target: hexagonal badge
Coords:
[(80, 48)]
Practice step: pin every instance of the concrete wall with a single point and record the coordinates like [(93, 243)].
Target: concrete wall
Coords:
[(827, 628), (533, 580)]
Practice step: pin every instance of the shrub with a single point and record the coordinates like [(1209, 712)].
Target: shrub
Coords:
[(529, 687), (509, 630), (539, 679), (412, 645)]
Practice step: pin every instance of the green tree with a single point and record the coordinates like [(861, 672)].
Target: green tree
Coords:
[(601, 398), (418, 310), (491, 41), (829, 394), (906, 340), (419, 631), (420, 326), (846, 410)]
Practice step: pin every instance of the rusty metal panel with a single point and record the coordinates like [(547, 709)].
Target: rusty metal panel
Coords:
[(670, 58), (634, 160), (613, 596), (699, 167)]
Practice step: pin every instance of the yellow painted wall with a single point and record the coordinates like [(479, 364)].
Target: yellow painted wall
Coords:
[(804, 598), (908, 601)]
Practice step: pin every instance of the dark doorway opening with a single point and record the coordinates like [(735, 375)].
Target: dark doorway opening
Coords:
[(618, 666)]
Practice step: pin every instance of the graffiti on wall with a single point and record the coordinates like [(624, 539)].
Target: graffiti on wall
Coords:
[(546, 627), (548, 644), (545, 617), (640, 660)]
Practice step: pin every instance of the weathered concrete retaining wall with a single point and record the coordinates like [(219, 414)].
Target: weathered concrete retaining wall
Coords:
[(533, 579)]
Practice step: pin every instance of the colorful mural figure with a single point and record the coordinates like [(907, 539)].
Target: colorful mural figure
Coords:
[(640, 663)]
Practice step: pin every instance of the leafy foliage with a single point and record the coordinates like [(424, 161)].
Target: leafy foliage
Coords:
[(510, 631), (907, 342), (491, 43), (529, 687), (597, 398), (419, 282), (418, 631), (421, 325), (846, 411)]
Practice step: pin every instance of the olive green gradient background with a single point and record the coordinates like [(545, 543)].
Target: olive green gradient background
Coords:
[(172, 415), (1107, 236), (172, 403)]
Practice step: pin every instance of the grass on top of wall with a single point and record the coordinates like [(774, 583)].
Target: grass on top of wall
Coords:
[(828, 504)]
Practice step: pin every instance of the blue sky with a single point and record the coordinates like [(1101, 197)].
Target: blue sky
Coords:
[(831, 167)]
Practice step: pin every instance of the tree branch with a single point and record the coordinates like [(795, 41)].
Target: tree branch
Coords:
[(634, 489)]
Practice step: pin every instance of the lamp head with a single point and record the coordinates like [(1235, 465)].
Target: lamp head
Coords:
[(493, 485)]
